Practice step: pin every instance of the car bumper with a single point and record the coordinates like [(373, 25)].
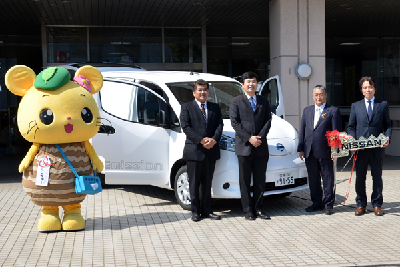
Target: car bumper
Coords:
[(226, 175)]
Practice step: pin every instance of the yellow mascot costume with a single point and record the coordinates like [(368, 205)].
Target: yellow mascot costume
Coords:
[(56, 110)]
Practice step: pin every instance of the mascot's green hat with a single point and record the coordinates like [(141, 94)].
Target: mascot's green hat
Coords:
[(52, 78)]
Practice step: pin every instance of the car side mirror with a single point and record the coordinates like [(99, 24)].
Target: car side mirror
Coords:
[(273, 109), (106, 129)]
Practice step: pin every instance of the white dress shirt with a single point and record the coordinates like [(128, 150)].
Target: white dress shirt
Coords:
[(316, 115), (367, 104), (205, 106), (254, 99)]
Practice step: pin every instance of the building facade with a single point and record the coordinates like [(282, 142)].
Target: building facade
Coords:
[(341, 41)]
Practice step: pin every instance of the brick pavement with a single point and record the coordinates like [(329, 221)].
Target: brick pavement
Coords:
[(143, 226)]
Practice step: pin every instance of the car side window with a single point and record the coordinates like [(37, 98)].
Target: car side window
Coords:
[(131, 103), (148, 107), (270, 92)]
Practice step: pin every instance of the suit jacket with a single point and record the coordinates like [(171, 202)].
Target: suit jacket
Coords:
[(248, 123), (360, 125), (315, 138), (196, 129)]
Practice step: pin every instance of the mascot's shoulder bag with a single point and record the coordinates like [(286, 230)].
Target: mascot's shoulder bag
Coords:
[(83, 184)]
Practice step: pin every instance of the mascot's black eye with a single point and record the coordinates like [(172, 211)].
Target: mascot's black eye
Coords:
[(87, 115), (46, 116)]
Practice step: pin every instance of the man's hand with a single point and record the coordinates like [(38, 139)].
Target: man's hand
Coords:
[(204, 141), (255, 141), (209, 143), (301, 155), (386, 144)]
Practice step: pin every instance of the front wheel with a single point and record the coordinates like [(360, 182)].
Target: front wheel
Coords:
[(181, 188)]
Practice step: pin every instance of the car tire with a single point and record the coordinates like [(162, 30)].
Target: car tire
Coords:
[(181, 188)]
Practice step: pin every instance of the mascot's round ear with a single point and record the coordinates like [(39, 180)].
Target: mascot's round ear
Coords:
[(93, 75), (19, 79)]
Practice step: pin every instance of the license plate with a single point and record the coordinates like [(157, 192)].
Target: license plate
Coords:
[(284, 179)]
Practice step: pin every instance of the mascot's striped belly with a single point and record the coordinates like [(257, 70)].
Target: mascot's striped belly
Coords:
[(61, 188)]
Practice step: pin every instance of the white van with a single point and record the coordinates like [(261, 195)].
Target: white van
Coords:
[(143, 109)]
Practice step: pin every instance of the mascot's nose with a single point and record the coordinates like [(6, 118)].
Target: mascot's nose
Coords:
[(68, 118)]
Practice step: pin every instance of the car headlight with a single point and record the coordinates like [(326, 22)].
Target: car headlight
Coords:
[(227, 143)]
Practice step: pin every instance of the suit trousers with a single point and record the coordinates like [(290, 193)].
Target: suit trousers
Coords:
[(317, 169), (200, 173), (364, 158), (258, 166)]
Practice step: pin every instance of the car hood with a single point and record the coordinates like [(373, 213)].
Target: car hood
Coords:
[(282, 137), (279, 129)]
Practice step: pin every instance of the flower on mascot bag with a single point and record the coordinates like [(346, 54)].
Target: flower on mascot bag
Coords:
[(334, 140)]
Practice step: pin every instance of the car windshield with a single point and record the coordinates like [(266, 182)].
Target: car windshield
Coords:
[(219, 92)]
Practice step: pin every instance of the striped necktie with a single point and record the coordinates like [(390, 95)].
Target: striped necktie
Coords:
[(252, 104), (203, 111)]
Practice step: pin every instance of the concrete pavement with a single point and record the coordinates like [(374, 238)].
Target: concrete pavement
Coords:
[(143, 226)]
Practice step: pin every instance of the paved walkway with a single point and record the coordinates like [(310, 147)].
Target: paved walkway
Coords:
[(143, 226)]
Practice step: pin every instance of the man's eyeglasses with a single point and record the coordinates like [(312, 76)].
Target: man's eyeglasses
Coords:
[(319, 95)]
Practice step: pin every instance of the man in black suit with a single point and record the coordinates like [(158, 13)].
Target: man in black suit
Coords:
[(313, 146), (201, 121), (369, 116), (251, 119)]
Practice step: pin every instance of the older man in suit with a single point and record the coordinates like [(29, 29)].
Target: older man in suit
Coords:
[(369, 116), (251, 119), (201, 121), (313, 146)]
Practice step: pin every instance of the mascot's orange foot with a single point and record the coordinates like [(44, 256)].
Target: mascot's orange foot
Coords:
[(49, 220), (73, 220)]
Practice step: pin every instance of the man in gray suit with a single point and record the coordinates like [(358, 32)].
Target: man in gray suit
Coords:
[(250, 116)]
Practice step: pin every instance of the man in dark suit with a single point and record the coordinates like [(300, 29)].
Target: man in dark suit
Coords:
[(313, 146), (201, 121), (369, 116), (251, 119)]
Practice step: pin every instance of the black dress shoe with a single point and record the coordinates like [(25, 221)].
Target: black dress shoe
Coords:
[(262, 215), (249, 216), (212, 216), (195, 218), (312, 209), (328, 211)]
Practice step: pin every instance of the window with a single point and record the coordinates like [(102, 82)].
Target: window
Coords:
[(270, 92), (219, 92), (132, 103), (66, 44)]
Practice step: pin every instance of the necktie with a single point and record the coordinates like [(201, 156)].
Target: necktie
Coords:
[(369, 110), (203, 111), (253, 106), (317, 115)]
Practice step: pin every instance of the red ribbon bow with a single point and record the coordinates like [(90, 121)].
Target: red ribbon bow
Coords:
[(333, 139)]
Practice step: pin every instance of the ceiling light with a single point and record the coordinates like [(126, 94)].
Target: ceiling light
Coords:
[(349, 43), (239, 43), (116, 53)]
